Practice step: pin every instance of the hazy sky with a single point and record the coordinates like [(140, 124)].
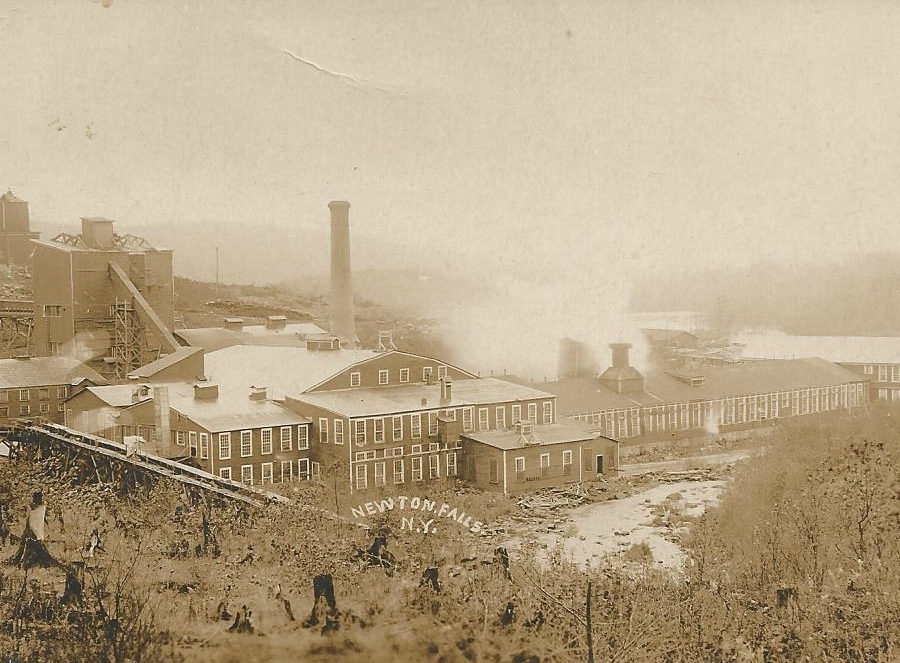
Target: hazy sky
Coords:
[(553, 139)]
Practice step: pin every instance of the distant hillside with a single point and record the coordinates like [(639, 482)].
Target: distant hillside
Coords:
[(858, 296)]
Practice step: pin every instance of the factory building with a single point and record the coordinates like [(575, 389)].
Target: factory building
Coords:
[(624, 404), (528, 456), (37, 387), (277, 331), (105, 298), (15, 231), (234, 433)]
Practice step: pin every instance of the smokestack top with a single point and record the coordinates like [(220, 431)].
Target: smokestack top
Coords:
[(339, 205)]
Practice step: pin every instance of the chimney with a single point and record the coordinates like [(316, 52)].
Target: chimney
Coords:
[(446, 390), (161, 417), (97, 233), (620, 354), (206, 392), (343, 324), (621, 377), (257, 393)]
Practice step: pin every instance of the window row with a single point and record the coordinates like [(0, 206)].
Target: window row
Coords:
[(384, 375), (885, 373), (245, 439), (25, 395), (285, 471), (417, 467), (378, 429), (25, 409), (726, 411)]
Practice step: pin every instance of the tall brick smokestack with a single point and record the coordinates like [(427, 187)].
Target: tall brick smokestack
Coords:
[(343, 323)]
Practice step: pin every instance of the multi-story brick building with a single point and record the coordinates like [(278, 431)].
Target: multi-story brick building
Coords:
[(623, 403), (37, 387), (237, 434)]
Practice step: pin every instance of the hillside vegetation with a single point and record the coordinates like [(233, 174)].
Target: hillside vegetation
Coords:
[(801, 561)]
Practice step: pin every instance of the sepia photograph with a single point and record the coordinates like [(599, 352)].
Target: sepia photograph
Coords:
[(420, 331)]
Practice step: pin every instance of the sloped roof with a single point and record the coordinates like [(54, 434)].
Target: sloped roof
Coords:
[(217, 338), (232, 410), (583, 395), (283, 370), (847, 349), (154, 367), (663, 335), (408, 398), (559, 433), (44, 371)]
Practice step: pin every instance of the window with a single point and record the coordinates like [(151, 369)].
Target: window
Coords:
[(467, 418), (396, 451), (415, 449), (483, 419), (398, 429), (382, 376), (24, 395), (404, 375), (287, 470), (450, 414), (286, 441), (204, 445), (60, 407), (225, 473), (548, 412), (532, 412), (51, 311), (434, 466), (494, 471), (379, 431), (338, 431), (379, 473), (362, 456), (354, 379), (323, 430), (45, 408), (417, 468), (246, 443), (882, 373), (500, 415), (442, 372), (303, 436), (266, 474), (4, 397), (520, 468), (415, 425), (44, 393), (224, 446), (247, 474), (362, 477), (451, 464), (265, 441), (398, 471), (545, 464), (433, 446), (567, 462), (427, 372), (314, 468), (180, 438), (432, 423), (895, 373), (303, 470), (359, 432), (867, 369), (516, 413), (53, 348), (62, 392)]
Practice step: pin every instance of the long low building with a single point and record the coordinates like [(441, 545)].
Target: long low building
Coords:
[(623, 403)]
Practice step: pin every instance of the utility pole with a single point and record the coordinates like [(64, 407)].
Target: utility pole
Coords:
[(217, 273)]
